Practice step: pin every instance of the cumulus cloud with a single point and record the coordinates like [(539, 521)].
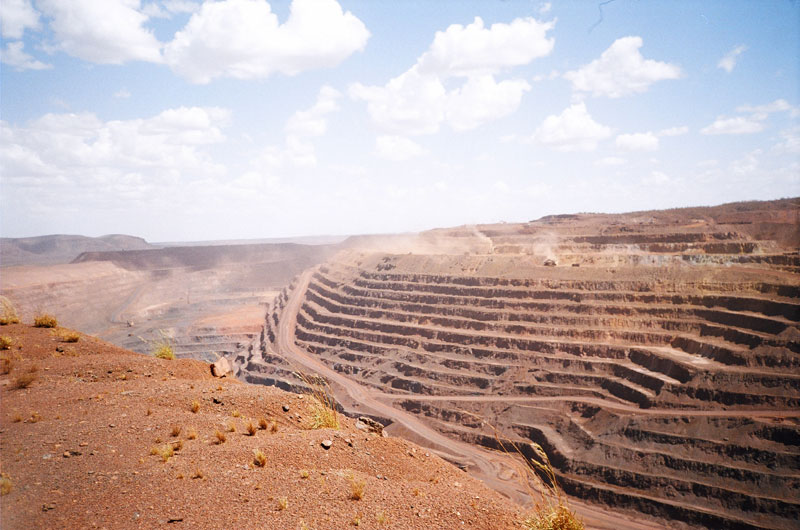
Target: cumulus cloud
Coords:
[(301, 128), (737, 125), (728, 62), (80, 151), (572, 130), (16, 16), (121, 37), (467, 58), (790, 141), (397, 148), (638, 142), (317, 34), (475, 49), (620, 71), (122, 93), (14, 56)]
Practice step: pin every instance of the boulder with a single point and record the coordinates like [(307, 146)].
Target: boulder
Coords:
[(369, 425), (221, 368)]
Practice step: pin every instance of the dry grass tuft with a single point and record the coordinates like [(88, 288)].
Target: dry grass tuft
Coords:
[(45, 320), (165, 452), (5, 484), (259, 458), (191, 434), (382, 518), (357, 488), (273, 428), (198, 473), (322, 405), (220, 437), (6, 365), (262, 423), (25, 380), (231, 426), (304, 474), (283, 503), (5, 343), (65, 335), (9, 314), (251, 429), (176, 431), (177, 445), (195, 406), (162, 348), (236, 414), (553, 517)]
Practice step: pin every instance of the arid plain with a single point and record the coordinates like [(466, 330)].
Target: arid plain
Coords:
[(655, 356)]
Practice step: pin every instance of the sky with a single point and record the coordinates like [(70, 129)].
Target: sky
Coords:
[(178, 120)]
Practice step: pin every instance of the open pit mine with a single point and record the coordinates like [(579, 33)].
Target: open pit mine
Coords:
[(655, 356)]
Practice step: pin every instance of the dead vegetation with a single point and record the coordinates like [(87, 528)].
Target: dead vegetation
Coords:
[(45, 320)]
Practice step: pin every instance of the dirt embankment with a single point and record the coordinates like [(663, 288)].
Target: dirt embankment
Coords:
[(76, 445)]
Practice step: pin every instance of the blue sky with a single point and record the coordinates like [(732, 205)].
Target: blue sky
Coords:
[(182, 120)]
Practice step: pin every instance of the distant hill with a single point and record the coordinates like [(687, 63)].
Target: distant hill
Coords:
[(59, 248)]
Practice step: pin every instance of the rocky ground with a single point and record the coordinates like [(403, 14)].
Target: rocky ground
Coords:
[(77, 446)]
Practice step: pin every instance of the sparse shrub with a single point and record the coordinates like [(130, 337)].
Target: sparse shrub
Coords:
[(25, 380), (304, 474), (553, 517), (231, 426), (6, 365), (262, 423), (236, 414), (259, 458), (17, 418), (45, 320), (357, 488), (251, 429), (165, 452), (5, 484), (177, 445), (195, 406), (191, 434), (357, 520), (382, 519), (283, 503), (176, 431), (220, 437), (5, 343), (274, 427)]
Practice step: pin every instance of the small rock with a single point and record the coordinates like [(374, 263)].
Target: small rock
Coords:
[(66, 454), (217, 401), (327, 444), (48, 507), (83, 444), (286, 408), (348, 441), (59, 349), (221, 368)]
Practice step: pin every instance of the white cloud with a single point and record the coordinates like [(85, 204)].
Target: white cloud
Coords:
[(748, 164), (728, 62), (637, 142), (657, 178), (317, 34), (738, 125), (790, 142), (168, 8), (122, 93), (572, 130), (417, 101), (300, 128), (545, 8), (109, 32), (14, 56), (16, 16), (673, 131), (762, 111), (620, 71), (397, 148), (475, 49), (481, 99), (611, 161), (129, 157)]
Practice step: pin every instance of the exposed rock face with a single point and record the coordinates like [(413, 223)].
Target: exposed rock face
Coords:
[(661, 376), (369, 425)]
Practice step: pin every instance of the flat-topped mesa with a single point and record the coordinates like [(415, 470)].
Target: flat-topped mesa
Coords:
[(662, 379)]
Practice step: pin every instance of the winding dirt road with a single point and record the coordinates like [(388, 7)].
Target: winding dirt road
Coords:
[(496, 470)]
